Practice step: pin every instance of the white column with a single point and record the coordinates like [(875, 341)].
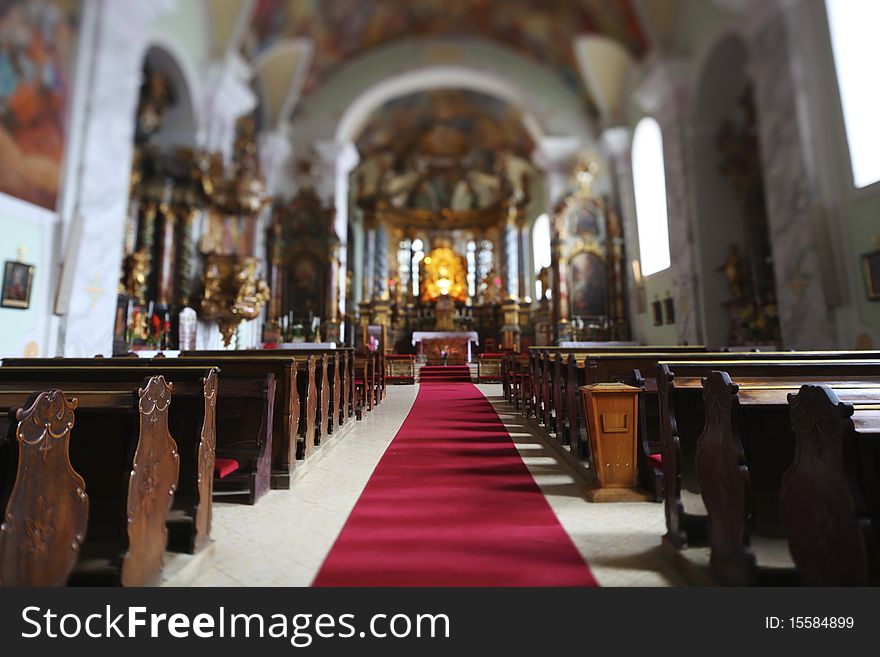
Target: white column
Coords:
[(556, 157), (665, 94), (803, 258), (93, 240), (228, 96), (617, 145), (338, 159)]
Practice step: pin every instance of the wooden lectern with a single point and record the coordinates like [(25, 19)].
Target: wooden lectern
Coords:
[(612, 412)]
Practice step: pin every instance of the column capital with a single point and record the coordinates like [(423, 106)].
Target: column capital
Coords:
[(228, 96), (275, 149), (754, 14), (131, 19), (665, 89), (556, 154), (616, 141), (342, 156)]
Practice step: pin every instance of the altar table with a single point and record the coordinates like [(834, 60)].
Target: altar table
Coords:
[(472, 337)]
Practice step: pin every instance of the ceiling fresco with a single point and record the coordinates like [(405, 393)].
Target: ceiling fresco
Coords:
[(541, 30), (444, 150), (445, 121)]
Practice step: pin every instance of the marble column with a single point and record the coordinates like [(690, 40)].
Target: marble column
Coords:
[(802, 260), (616, 144), (94, 238), (369, 291), (228, 96), (522, 256), (337, 160), (665, 94), (556, 157)]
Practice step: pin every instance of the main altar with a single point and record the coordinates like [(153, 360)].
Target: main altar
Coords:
[(446, 347)]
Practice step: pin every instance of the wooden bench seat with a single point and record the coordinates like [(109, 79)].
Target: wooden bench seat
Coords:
[(637, 367), (741, 456), (755, 426), (489, 367), (244, 418), (192, 423), (122, 449), (319, 400), (43, 501), (400, 369)]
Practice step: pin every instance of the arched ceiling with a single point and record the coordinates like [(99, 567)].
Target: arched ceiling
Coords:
[(541, 30)]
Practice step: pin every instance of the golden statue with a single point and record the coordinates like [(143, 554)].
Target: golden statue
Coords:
[(491, 291), (735, 270), (544, 278), (137, 268), (444, 275), (232, 293)]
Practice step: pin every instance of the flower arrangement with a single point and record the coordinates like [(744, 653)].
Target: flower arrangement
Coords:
[(760, 323)]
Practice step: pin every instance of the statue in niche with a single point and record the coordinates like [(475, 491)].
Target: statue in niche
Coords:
[(156, 96), (544, 278)]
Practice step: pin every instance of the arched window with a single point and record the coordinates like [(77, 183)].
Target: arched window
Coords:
[(649, 181), (541, 248), (472, 268), (853, 26)]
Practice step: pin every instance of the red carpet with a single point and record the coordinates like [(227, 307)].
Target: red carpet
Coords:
[(451, 503)]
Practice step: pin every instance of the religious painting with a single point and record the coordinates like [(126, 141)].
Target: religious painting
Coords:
[(18, 279), (305, 289), (669, 310), (37, 48), (871, 265), (589, 285), (657, 312), (585, 219)]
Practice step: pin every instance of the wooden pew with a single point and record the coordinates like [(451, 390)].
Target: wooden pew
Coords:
[(745, 447), (401, 369), (128, 460), (830, 495), (192, 423), (489, 367), (245, 414), (546, 385), (366, 381), (338, 391), (637, 367), (43, 500), (683, 419)]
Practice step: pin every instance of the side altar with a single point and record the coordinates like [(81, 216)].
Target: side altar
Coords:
[(455, 345)]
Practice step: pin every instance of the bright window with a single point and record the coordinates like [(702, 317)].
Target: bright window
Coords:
[(649, 180), (541, 248), (853, 25)]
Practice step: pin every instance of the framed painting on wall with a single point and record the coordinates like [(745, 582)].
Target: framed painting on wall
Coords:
[(38, 38), (871, 265), (18, 279)]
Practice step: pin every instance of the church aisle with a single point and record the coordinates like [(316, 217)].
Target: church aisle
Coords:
[(451, 503), (293, 531)]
